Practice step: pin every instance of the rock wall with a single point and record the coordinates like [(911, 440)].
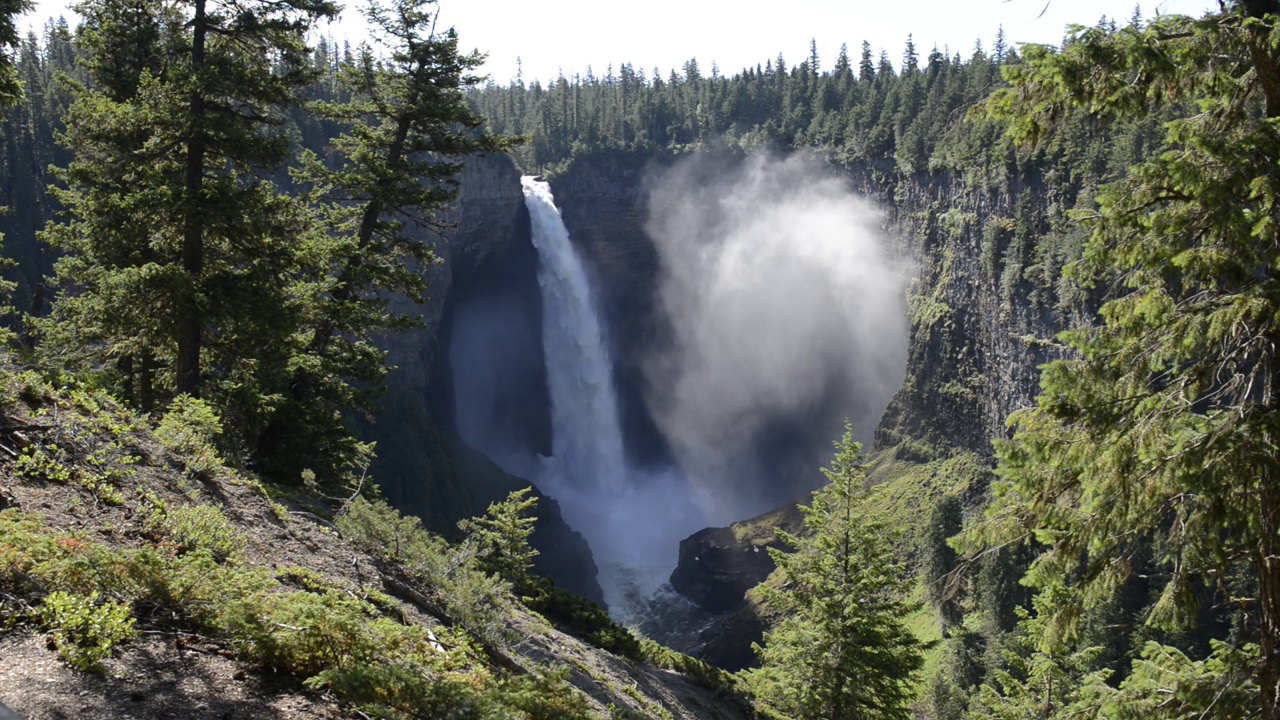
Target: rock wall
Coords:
[(982, 318), (602, 200), (423, 466)]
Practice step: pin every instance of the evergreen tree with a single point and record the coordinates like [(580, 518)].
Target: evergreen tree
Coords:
[(178, 256), (380, 192), (1158, 436), (10, 83), (939, 563), (841, 650), (10, 95), (502, 535)]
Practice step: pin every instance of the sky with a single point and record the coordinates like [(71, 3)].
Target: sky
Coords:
[(551, 37)]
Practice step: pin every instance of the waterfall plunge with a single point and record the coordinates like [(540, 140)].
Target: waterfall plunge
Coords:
[(587, 440), (631, 519)]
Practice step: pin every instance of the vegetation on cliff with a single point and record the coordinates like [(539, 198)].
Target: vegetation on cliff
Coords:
[(125, 545), (209, 318), (1122, 185), (214, 330), (842, 649)]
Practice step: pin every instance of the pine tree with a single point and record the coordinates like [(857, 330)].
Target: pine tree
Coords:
[(178, 258), (380, 193), (939, 562), (502, 535), (1158, 434), (10, 95), (842, 650), (10, 85)]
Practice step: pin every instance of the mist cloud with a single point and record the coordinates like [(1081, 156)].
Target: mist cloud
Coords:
[(784, 312)]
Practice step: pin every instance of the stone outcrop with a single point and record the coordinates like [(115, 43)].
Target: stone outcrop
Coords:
[(717, 566)]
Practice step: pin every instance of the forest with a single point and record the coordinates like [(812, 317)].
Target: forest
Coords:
[(213, 215)]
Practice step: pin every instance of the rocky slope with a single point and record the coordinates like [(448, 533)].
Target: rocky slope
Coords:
[(90, 497)]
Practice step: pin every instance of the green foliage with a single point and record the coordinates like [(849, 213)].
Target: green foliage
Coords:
[(842, 648), (502, 536), (200, 527), (701, 673), (457, 588), (332, 640), (578, 617), (938, 567), (190, 428), (40, 462), (1150, 455), (1167, 685), (1034, 679), (87, 628), (374, 194)]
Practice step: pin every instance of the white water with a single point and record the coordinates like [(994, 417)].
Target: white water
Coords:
[(631, 519), (587, 440)]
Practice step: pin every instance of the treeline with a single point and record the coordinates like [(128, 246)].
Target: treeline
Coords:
[(869, 109), (865, 105)]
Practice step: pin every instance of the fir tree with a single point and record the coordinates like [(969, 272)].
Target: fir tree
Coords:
[(842, 650), (1158, 435), (178, 258), (380, 193), (501, 537)]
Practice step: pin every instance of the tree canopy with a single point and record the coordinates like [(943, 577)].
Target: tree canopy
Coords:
[(841, 649), (1152, 450)]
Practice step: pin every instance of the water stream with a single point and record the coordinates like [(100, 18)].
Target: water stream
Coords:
[(630, 518)]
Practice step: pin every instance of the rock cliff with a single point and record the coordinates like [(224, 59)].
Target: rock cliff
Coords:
[(424, 465), (984, 304)]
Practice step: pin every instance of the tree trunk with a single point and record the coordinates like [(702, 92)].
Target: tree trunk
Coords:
[(188, 365)]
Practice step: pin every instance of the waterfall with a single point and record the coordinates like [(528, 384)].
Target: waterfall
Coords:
[(631, 518), (587, 436)]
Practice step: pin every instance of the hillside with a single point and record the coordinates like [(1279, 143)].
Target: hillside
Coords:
[(181, 588)]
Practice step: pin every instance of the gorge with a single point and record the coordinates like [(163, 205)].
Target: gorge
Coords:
[(941, 389), (706, 326)]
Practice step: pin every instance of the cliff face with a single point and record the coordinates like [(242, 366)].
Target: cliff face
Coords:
[(982, 305), (602, 201), (981, 316), (980, 309), (429, 462)]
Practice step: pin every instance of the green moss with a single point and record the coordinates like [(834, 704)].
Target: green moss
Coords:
[(906, 490)]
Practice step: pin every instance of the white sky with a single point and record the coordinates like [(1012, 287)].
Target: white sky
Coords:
[(553, 36)]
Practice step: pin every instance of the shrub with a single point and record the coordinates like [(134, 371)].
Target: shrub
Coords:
[(201, 527), (86, 627), (40, 463), (578, 617), (191, 428), (355, 648), (449, 576)]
